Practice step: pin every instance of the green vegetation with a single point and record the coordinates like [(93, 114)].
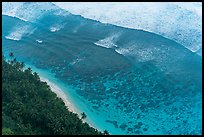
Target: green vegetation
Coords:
[(29, 107), (83, 115), (105, 132), (7, 131)]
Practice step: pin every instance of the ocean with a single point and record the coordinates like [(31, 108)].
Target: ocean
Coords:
[(127, 81)]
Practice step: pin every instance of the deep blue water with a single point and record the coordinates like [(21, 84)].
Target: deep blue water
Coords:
[(142, 84)]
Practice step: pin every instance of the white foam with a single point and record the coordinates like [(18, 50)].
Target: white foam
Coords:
[(18, 32), (27, 11), (56, 27), (140, 54), (195, 7), (62, 13), (145, 54), (105, 43), (179, 21), (12, 38), (127, 50), (122, 51), (108, 42), (39, 41)]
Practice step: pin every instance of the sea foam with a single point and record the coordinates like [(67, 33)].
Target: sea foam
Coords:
[(19, 31), (56, 27), (176, 21), (108, 42), (39, 41)]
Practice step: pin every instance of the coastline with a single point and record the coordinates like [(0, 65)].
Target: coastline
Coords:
[(73, 105), (60, 94)]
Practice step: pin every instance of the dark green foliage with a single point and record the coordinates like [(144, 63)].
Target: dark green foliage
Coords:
[(83, 115), (30, 107), (105, 132), (11, 54)]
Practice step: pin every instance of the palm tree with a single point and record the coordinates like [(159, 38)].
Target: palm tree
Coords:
[(29, 69), (11, 54), (14, 60), (22, 65), (83, 115), (105, 132), (36, 75)]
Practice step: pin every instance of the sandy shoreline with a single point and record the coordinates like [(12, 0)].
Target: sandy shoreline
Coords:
[(57, 90), (60, 94)]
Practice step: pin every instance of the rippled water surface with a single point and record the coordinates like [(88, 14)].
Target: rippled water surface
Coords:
[(127, 81)]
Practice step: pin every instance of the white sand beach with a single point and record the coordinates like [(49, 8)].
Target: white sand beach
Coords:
[(60, 94), (57, 90)]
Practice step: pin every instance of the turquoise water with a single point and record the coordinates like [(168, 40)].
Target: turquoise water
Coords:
[(78, 102), (151, 86)]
